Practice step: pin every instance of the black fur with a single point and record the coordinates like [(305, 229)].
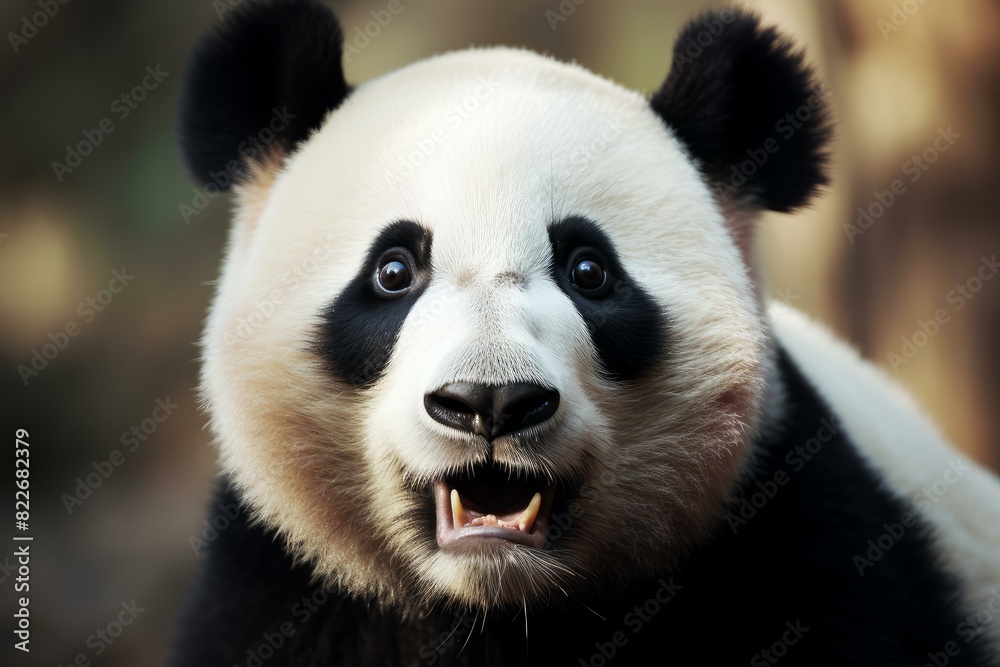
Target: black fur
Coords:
[(626, 324), (792, 564), (359, 329), (259, 83), (730, 90)]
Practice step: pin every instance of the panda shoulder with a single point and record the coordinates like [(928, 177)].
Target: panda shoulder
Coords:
[(956, 496)]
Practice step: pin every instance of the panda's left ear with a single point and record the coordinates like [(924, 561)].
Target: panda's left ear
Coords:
[(257, 85), (748, 108)]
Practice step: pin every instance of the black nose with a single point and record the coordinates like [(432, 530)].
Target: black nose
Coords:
[(491, 411)]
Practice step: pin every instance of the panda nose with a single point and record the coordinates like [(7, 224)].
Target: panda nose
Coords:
[(491, 411)]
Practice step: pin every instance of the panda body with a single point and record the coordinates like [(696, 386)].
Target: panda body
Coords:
[(408, 315)]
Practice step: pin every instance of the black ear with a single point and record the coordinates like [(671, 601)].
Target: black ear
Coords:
[(258, 84), (749, 110)]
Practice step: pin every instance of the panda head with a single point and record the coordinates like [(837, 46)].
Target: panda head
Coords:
[(487, 330)]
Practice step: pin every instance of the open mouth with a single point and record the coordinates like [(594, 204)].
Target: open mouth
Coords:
[(490, 504)]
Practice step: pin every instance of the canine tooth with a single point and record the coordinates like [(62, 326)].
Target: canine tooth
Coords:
[(457, 511), (530, 513)]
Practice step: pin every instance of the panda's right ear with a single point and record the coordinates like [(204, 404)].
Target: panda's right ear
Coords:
[(257, 85)]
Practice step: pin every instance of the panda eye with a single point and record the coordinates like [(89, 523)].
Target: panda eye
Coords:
[(587, 273), (394, 274)]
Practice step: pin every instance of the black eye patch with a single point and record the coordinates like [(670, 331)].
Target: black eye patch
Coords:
[(626, 325), (359, 329)]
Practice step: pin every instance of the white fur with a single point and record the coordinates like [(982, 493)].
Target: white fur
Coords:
[(908, 451), (326, 464), (330, 466)]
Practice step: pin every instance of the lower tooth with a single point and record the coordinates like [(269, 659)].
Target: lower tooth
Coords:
[(527, 519), (457, 511), (524, 523)]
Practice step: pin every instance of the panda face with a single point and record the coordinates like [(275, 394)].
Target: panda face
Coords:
[(486, 331), (475, 328)]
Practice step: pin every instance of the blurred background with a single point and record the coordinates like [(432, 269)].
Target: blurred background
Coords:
[(104, 284)]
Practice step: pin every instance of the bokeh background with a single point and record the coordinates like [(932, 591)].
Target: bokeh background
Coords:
[(899, 71)]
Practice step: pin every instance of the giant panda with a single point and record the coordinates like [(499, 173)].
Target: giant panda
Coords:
[(494, 382)]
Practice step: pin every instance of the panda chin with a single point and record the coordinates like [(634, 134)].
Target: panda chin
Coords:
[(489, 508)]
